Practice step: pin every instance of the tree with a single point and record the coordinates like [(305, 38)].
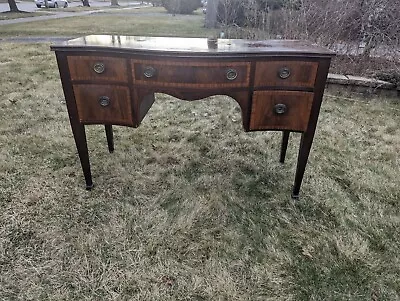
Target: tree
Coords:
[(114, 3), (211, 13), (371, 22), (13, 6), (85, 3)]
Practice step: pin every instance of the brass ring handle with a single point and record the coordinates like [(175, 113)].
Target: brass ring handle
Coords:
[(149, 72), (284, 72), (104, 101), (231, 74), (280, 108), (99, 67)]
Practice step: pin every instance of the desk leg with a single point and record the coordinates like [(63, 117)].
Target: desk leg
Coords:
[(285, 139), (304, 151), (81, 145), (110, 137)]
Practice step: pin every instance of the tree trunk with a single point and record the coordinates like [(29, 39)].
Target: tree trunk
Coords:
[(86, 3), (114, 3), (13, 6), (211, 13)]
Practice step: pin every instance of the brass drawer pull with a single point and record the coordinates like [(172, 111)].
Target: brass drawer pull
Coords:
[(99, 67), (149, 72), (284, 72), (104, 101), (280, 108), (231, 74)]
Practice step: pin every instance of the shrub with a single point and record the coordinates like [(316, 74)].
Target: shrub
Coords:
[(181, 6), (231, 12), (155, 2)]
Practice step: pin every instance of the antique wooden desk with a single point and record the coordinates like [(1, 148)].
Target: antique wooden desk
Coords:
[(111, 80)]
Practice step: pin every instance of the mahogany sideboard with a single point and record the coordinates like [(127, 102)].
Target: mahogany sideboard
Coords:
[(111, 80)]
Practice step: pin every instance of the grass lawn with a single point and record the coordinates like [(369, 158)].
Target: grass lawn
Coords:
[(9, 15), (72, 9), (154, 22), (190, 207)]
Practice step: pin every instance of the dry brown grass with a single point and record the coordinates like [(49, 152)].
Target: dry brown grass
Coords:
[(189, 207)]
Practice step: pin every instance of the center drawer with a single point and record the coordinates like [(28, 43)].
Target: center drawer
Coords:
[(191, 74)]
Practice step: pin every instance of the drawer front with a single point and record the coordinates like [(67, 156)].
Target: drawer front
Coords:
[(103, 104), (281, 110), (90, 68), (191, 74), (285, 74)]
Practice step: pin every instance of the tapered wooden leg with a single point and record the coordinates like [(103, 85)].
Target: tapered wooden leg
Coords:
[(110, 137), (81, 145), (78, 129), (308, 136), (285, 139), (304, 151)]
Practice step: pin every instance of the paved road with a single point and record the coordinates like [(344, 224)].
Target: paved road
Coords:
[(30, 6)]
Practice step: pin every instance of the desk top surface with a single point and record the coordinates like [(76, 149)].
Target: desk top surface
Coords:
[(191, 45)]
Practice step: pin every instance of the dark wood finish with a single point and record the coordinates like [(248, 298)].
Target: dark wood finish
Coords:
[(110, 137), (189, 74), (144, 104), (284, 145), (308, 136), (295, 118), (302, 74), (78, 129), (90, 110), (192, 47), (111, 80), (82, 68)]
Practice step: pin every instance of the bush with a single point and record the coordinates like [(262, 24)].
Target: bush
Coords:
[(391, 76), (155, 2), (231, 12), (181, 6)]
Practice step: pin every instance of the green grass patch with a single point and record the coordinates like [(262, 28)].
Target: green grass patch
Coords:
[(140, 10), (10, 15), (74, 9), (106, 9), (190, 207), (124, 23)]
